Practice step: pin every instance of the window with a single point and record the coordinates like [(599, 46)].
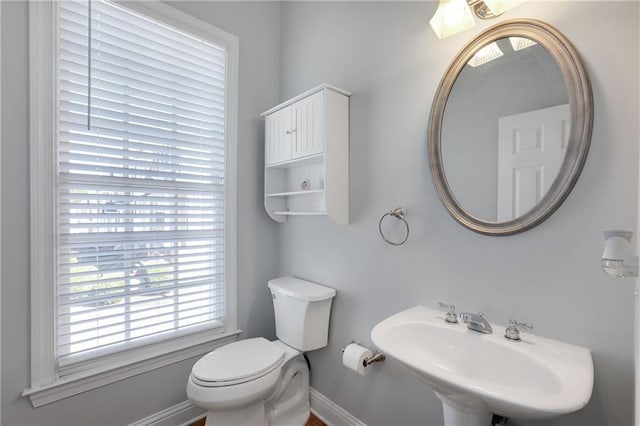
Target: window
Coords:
[(133, 186)]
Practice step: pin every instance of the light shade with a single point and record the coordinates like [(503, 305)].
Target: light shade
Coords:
[(501, 6), (618, 259), (486, 54), (451, 17)]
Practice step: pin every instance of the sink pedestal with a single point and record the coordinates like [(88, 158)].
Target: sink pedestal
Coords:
[(455, 415)]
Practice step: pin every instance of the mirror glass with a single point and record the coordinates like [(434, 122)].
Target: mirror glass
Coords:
[(510, 127), (505, 129)]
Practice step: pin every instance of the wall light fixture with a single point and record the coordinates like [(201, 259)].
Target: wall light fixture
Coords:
[(454, 16), (619, 259)]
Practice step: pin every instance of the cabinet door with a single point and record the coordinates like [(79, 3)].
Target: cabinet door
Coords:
[(278, 137), (308, 129)]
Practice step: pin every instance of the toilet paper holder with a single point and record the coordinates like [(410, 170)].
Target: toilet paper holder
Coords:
[(376, 357)]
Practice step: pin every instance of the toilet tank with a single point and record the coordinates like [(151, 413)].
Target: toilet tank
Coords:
[(302, 312)]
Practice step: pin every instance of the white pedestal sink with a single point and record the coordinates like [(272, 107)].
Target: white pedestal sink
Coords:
[(477, 375)]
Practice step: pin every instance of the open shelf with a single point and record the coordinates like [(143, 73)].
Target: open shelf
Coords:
[(299, 213), (295, 193), (311, 159)]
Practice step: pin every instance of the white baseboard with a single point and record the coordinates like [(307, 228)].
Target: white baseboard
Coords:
[(185, 413), (329, 412), (182, 414)]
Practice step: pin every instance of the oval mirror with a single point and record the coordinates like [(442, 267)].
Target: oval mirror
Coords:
[(510, 127)]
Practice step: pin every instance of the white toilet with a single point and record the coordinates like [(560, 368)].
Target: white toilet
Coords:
[(258, 382)]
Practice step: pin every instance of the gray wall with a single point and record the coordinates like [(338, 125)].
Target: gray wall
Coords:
[(388, 56), (256, 24)]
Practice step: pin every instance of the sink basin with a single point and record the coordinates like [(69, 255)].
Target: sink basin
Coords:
[(476, 375)]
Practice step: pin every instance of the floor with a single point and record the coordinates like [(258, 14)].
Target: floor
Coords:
[(313, 421)]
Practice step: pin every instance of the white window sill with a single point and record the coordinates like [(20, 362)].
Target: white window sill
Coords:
[(76, 383)]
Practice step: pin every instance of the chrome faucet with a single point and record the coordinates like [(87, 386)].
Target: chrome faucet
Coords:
[(476, 322)]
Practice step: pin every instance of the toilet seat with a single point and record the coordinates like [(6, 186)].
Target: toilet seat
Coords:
[(237, 363)]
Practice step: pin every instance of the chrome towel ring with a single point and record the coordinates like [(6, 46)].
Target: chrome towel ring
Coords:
[(398, 213)]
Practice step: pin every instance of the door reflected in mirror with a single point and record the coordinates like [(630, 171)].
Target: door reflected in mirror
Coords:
[(505, 129)]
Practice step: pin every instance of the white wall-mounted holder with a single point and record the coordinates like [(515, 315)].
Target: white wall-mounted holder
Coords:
[(307, 156), (619, 259)]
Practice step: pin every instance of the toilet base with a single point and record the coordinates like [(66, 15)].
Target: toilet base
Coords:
[(287, 404), (253, 415)]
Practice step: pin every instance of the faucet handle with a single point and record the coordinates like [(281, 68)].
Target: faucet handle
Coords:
[(526, 325), (451, 316), (512, 332)]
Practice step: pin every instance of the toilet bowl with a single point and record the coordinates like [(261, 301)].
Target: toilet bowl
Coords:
[(261, 382)]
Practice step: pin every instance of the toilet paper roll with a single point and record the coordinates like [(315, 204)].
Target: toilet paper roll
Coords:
[(353, 357)]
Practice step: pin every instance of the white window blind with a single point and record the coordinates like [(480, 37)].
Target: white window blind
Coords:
[(140, 181)]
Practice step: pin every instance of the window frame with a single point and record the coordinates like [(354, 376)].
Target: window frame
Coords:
[(46, 383)]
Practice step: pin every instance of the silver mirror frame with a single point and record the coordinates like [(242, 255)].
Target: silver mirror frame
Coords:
[(580, 104)]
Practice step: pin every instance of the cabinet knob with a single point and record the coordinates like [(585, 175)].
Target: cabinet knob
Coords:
[(290, 131)]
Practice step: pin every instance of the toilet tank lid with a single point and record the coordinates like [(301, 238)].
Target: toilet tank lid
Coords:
[(301, 289)]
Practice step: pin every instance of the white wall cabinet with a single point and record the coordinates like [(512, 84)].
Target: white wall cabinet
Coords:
[(307, 156)]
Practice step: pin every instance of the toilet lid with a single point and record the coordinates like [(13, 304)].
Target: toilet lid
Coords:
[(239, 361)]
